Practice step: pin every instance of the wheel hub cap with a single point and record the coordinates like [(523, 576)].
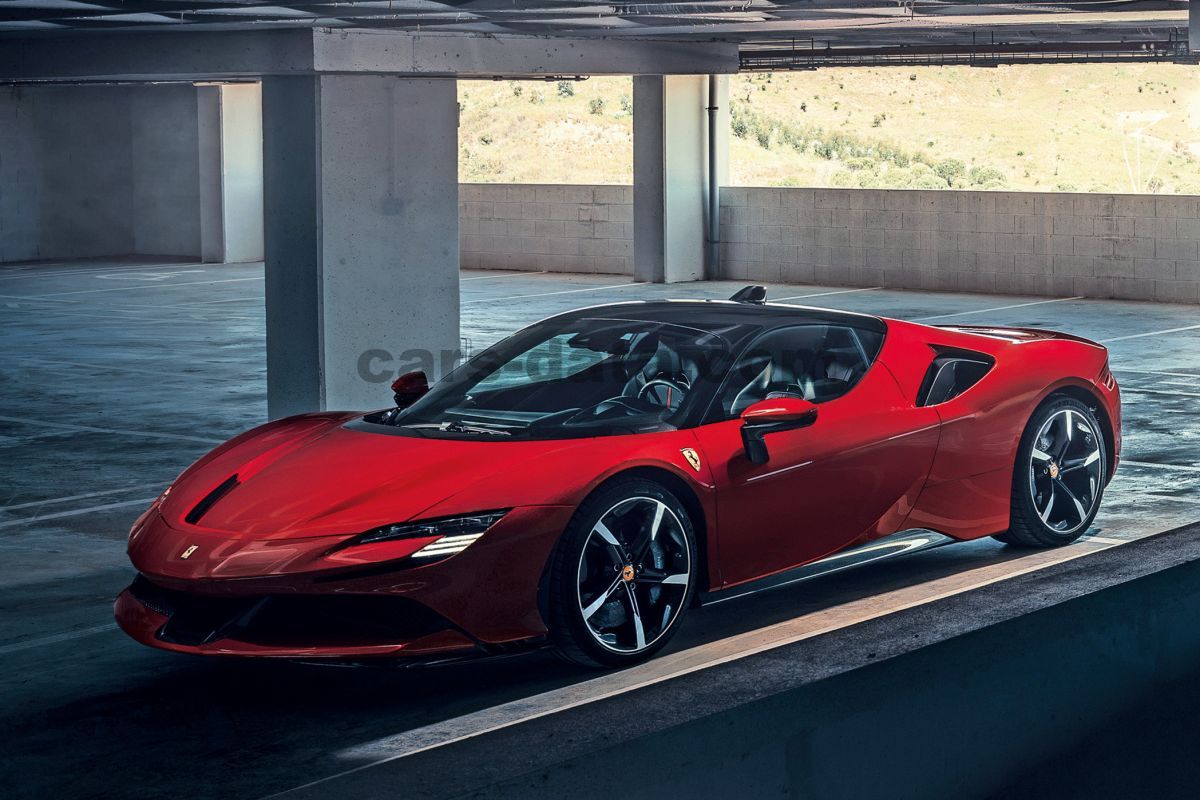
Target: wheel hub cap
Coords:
[(1066, 472), (633, 574)]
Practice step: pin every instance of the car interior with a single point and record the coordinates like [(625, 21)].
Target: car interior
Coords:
[(817, 363), (602, 371), (640, 372), (623, 373)]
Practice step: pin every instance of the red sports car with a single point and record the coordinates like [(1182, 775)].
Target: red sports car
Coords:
[(580, 483)]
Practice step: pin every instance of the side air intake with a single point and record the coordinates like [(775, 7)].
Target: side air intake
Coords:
[(952, 373), (209, 500)]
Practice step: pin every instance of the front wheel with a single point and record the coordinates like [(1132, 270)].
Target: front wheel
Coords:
[(623, 575), (1059, 476)]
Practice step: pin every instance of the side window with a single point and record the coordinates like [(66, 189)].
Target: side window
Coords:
[(813, 362), (845, 357)]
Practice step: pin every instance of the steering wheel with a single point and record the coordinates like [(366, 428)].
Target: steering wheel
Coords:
[(662, 392)]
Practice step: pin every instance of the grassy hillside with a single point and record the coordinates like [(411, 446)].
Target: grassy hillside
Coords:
[(1096, 127), (546, 132)]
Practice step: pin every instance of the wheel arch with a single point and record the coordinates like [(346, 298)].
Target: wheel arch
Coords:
[(1091, 399), (691, 502)]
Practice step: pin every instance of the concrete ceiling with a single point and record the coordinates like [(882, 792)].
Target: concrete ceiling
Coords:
[(837, 23)]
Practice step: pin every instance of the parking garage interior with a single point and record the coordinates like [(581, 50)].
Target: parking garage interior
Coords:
[(215, 214)]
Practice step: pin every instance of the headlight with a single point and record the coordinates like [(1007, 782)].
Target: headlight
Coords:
[(455, 533)]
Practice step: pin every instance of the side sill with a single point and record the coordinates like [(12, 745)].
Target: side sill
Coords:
[(897, 544)]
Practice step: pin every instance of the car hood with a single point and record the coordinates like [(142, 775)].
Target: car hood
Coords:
[(313, 476)]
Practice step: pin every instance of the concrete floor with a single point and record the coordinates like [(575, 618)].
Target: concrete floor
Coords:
[(116, 376)]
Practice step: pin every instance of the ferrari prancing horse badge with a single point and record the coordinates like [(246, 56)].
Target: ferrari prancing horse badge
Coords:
[(692, 457)]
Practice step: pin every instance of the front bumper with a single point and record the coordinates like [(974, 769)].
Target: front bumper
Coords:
[(482, 600), (286, 626)]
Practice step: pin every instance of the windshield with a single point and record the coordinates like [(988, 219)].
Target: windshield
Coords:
[(587, 377)]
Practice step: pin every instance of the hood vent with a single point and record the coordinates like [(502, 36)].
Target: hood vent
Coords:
[(210, 500)]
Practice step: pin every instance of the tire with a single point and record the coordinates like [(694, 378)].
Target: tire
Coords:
[(1059, 476), (623, 575)]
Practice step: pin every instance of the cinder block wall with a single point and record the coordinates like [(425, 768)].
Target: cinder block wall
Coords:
[(1136, 247), (542, 227)]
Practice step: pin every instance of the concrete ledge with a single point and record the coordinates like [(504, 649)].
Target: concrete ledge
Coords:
[(951, 698), (199, 55), (488, 55), (1132, 247)]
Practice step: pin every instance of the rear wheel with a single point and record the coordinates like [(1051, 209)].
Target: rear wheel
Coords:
[(1059, 476), (623, 575)]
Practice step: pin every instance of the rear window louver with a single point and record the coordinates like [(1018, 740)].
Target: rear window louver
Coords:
[(210, 500)]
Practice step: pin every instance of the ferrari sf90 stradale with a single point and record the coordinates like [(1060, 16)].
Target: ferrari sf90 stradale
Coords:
[(583, 482)]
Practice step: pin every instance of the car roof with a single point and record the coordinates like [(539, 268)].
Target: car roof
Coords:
[(714, 314)]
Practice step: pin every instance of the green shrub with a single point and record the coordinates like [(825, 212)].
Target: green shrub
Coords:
[(596, 105), (987, 177), (950, 170), (566, 88), (928, 182), (793, 139)]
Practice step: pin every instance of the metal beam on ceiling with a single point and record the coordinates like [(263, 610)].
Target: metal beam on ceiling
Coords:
[(807, 54)]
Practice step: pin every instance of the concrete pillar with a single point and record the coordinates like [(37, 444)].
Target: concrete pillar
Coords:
[(208, 129), (1194, 27), (229, 117), (670, 168), (361, 179)]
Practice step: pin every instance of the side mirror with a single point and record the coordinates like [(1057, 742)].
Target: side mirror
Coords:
[(409, 388), (773, 416)]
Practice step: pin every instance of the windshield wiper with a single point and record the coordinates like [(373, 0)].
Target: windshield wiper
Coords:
[(450, 427), (458, 427)]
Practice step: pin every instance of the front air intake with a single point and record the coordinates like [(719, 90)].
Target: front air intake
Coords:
[(210, 500)]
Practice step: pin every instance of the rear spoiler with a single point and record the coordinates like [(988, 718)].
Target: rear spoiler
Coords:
[(1017, 334)]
